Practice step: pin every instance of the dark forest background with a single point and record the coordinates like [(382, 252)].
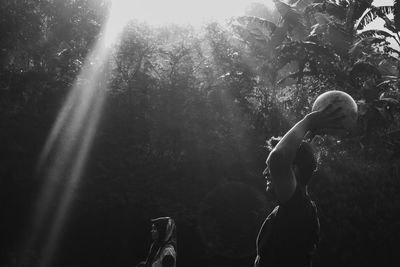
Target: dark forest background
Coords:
[(184, 127)]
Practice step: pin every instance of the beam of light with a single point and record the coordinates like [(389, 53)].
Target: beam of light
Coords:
[(65, 153), (84, 144)]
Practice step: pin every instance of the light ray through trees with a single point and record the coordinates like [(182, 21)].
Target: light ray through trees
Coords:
[(65, 152)]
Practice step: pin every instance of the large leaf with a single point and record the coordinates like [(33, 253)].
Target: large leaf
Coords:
[(372, 14), (301, 5), (360, 45), (323, 18), (360, 7), (364, 68), (392, 51), (297, 75), (260, 29), (278, 37), (318, 49), (389, 101), (289, 15), (315, 55), (328, 8), (291, 20), (389, 66), (364, 76), (317, 31), (339, 38), (375, 33), (292, 49), (260, 33), (388, 81), (283, 8)]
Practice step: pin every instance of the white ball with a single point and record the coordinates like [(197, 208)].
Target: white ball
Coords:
[(339, 99)]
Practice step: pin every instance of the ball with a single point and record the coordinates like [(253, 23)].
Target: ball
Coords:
[(339, 99)]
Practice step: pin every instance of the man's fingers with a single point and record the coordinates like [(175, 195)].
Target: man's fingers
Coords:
[(326, 108), (339, 118), (334, 112), (323, 109)]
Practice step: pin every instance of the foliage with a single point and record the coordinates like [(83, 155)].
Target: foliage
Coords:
[(187, 113), (328, 52)]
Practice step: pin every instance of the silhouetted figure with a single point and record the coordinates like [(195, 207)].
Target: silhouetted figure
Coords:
[(163, 248), (289, 235)]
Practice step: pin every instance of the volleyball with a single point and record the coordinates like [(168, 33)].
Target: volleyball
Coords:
[(339, 99)]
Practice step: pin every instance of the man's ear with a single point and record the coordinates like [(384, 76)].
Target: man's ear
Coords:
[(316, 141), (309, 136)]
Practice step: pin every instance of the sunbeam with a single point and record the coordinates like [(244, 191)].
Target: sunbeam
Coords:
[(65, 153)]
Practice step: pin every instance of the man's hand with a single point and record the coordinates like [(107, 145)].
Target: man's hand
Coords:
[(327, 118)]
